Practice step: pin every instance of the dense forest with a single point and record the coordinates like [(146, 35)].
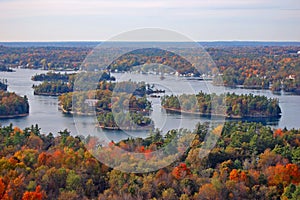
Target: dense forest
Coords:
[(229, 105), (151, 55), (249, 161), (259, 67), (59, 58), (12, 105), (122, 105)]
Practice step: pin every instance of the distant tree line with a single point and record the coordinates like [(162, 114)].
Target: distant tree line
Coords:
[(258, 67)]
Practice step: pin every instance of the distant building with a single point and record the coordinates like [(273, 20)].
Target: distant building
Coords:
[(291, 77)]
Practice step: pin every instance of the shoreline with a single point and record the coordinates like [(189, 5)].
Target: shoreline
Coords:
[(48, 94), (60, 107), (13, 116), (145, 128)]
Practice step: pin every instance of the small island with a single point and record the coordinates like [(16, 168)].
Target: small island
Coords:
[(122, 106), (52, 76), (52, 88), (231, 106), (13, 105), (56, 84)]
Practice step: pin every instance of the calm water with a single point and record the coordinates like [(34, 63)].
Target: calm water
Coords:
[(44, 110)]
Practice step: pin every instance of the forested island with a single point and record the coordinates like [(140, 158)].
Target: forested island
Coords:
[(52, 88), (56, 84), (118, 106), (227, 105), (12, 105), (249, 161), (52, 76)]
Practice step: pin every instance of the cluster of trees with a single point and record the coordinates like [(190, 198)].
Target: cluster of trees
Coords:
[(229, 105), (52, 88), (37, 166), (257, 67), (124, 111), (12, 105), (249, 161), (52, 58), (55, 84), (52, 76), (117, 105), (153, 55), (124, 121)]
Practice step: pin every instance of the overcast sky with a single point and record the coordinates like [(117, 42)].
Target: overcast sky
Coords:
[(97, 20)]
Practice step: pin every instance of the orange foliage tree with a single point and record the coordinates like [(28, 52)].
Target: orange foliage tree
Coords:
[(181, 171), (285, 175), (36, 195)]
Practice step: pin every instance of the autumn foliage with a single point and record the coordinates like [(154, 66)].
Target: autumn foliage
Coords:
[(285, 175), (181, 171), (248, 162), (36, 195)]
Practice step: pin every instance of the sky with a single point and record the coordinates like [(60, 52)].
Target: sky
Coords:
[(99, 20)]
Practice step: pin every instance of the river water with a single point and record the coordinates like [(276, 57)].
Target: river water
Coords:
[(44, 110)]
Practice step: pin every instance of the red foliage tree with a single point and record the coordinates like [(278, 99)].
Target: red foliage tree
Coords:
[(234, 175), (2, 188), (285, 175), (36, 195), (181, 171), (278, 133)]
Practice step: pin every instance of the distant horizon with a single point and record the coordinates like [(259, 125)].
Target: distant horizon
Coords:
[(69, 41), (93, 44)]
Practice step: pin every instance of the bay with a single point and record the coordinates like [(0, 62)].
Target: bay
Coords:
[(44, 110)]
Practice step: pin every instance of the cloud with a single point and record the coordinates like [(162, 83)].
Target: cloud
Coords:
[(19, 8), (28, 8), (76, 19)]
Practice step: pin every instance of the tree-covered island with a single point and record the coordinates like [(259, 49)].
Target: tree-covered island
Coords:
[(13, 105), (55, 84), (117, 106), (226, 105)]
